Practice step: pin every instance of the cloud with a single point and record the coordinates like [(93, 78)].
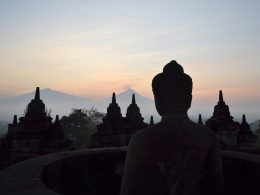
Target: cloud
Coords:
[(127, 86)]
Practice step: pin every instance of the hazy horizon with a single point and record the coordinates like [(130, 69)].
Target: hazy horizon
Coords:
[(93, 48), (61, 103)]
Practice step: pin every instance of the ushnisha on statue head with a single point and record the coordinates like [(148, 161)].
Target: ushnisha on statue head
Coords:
[(172, 90)]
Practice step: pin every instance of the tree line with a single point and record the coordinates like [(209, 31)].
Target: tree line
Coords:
[(80, 125)]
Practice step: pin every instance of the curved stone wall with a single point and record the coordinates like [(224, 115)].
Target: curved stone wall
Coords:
[(95, 171), (64, 173), (241, 173), (98, 171)]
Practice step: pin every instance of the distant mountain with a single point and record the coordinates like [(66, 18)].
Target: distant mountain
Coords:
[(61, 103), (126, 97), (48, 95)]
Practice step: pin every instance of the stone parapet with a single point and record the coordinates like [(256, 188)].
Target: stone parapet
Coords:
[(99, 171)]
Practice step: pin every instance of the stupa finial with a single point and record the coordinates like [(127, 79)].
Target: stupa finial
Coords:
[(244, 118), (57, 120), (113, 98), (133, 99), (151, 121), (200, 120), (220, 99), (15, 120), (37, 93)]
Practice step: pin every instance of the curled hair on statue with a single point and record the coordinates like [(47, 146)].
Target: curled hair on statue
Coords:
[(172, 89)]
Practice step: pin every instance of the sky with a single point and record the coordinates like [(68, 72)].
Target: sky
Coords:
[(93, 48)]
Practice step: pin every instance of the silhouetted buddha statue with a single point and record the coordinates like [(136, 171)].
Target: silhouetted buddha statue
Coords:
[(170, 157)]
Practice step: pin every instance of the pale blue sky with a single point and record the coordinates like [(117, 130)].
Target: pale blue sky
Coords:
[(91, 48)]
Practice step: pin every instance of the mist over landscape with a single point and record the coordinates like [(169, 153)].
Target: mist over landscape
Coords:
[(83, 61), (61, 103), (79, 51)]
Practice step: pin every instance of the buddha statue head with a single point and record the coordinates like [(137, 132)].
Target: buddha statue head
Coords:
[(172, 90)]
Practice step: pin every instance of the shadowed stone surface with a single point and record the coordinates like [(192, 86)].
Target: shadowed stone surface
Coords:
[(86, 171), (90, 171)]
